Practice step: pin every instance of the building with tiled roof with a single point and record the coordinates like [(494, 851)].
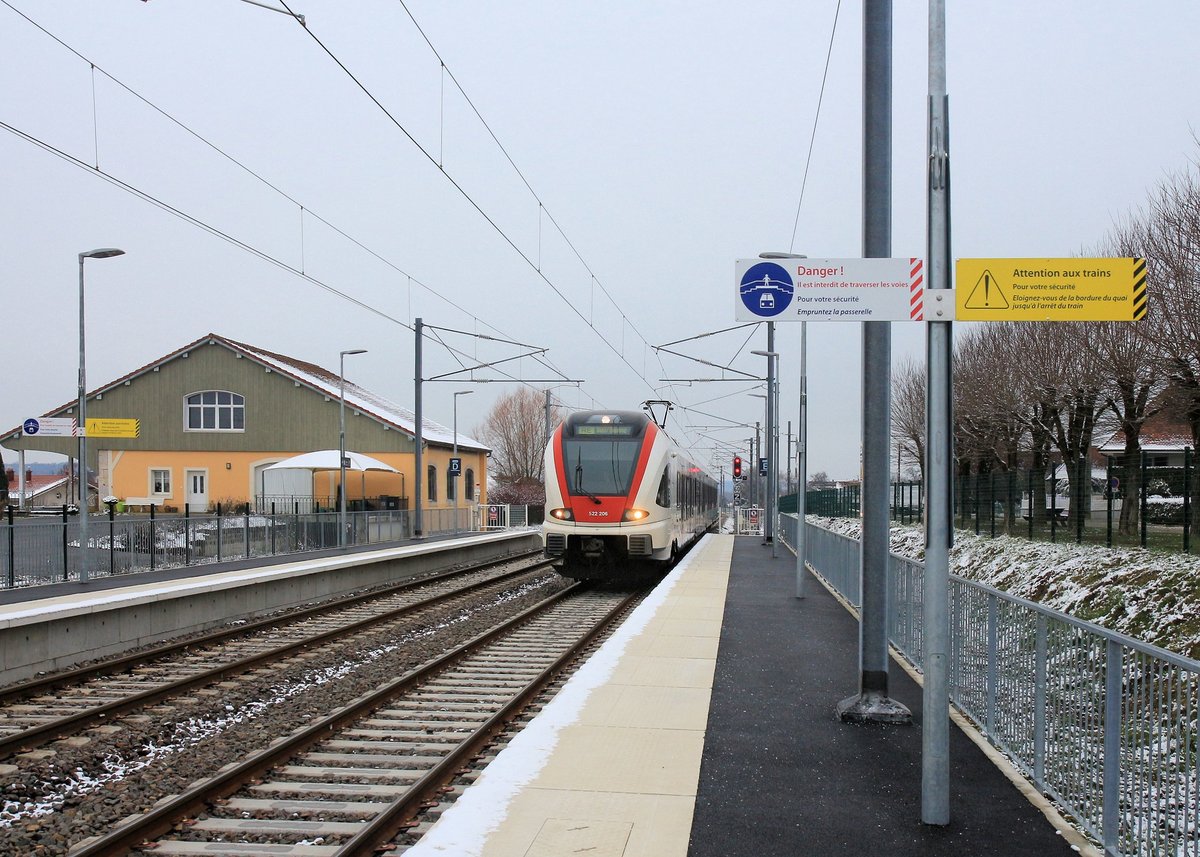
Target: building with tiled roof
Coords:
[(1163, 438), (214, 414)]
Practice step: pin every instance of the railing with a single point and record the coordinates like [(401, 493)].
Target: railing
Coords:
[(1106, 725), (40, 550)]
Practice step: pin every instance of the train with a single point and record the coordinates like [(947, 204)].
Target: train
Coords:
[(622, 498)]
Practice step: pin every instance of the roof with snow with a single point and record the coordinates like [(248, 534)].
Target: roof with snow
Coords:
[(1163, 432), (315, 378)]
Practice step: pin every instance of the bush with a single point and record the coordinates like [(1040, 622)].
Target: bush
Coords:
[(1158, 512)]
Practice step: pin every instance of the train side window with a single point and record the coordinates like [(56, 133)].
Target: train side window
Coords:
[(664, 490)]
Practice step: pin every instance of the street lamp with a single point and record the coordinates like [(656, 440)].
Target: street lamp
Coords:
[(458, 475), (342, 442), (772, 444), (102, 253), (801, 442)]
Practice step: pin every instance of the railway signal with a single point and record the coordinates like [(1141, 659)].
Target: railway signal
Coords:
[(737, 467)]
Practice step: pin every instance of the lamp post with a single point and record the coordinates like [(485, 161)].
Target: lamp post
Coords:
[(801, 441), (102, 253), (458, 475), (772, 442), (342, 442)]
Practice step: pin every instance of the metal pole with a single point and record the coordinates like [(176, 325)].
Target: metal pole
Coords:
[(872, 702), (418, 530), (103, 253), (802, 464), (83, 480), (342, 443), (939, 530), (342, 450), (456, 476), (772, 440)]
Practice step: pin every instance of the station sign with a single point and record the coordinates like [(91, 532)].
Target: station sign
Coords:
[(1050, 289), (114, 428), (830, 289), (455, 466), (50, 427)]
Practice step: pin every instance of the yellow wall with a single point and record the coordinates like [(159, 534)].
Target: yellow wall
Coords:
[(230, 475)]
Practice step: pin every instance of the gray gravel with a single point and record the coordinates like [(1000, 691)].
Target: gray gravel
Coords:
[(73, 789)]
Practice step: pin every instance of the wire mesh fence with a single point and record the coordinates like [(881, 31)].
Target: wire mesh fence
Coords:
[(45, 549), (1105, 724)]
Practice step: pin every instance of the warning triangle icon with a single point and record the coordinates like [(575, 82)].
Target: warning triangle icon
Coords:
[(987, 294)]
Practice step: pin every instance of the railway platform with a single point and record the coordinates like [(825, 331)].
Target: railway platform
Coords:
[(706, 727)]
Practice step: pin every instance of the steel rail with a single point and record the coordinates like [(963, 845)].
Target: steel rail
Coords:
[(380, 830), (32, 687), (37, 735), (138, 830)]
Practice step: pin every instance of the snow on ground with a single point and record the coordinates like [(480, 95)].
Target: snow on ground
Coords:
[(1151, 596)]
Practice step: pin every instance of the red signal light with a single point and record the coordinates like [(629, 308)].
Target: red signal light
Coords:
[(737, 466)]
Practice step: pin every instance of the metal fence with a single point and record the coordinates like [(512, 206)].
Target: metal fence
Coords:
[(999, 503), (39, 549), (1105, 724)]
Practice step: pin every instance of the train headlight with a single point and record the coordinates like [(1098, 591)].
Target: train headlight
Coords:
[(635, 515), (561, 514)]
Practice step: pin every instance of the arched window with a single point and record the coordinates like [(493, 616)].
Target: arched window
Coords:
[(470, 492), (450, 493), (431, 472), (214, 410)]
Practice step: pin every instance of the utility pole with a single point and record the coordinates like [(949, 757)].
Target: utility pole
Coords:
[(939, 534), (872, 703)]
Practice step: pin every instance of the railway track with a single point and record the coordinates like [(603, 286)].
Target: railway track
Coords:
[(352, 781), (66, 703)]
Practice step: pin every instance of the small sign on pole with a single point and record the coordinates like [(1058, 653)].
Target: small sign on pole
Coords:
[(1050, 289), (455, 466), (50, 427), (114, 428)]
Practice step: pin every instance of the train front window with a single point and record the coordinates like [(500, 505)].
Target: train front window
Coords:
[(595, 466)]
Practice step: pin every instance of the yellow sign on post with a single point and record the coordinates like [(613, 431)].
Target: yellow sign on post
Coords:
[(114, 428), (1050, 289)]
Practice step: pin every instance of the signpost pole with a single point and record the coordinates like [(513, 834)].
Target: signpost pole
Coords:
[(935, 698), (872, 703)]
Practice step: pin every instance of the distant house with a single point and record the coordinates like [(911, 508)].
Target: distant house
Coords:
[(1163, 438), (42, 491), (214, 414)]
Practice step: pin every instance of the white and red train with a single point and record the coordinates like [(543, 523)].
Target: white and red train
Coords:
[(621, 496)]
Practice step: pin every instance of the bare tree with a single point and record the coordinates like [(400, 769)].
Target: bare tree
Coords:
[(515, 429), (1173, 265), (991, 408), (1136, 373), (908, 412)]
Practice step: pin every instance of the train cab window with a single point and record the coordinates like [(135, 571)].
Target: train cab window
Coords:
[(664, 490)]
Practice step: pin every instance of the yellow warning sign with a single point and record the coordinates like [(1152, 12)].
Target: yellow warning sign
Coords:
[(1050, 289), (987, 294), (114, 428)]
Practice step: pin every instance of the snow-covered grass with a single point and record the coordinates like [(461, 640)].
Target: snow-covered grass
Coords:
[(1153, 597)]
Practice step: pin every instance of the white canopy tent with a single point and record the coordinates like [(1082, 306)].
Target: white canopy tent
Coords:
[(320, 460)]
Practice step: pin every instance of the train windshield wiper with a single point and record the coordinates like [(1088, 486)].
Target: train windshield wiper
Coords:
[(579, 489)]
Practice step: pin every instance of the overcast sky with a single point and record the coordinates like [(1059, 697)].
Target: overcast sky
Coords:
[(654, 143)]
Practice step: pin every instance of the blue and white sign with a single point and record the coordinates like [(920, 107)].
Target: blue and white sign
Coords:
[(762, 467), (50, 427), (833, 290), (765, 290), (455, 466)]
